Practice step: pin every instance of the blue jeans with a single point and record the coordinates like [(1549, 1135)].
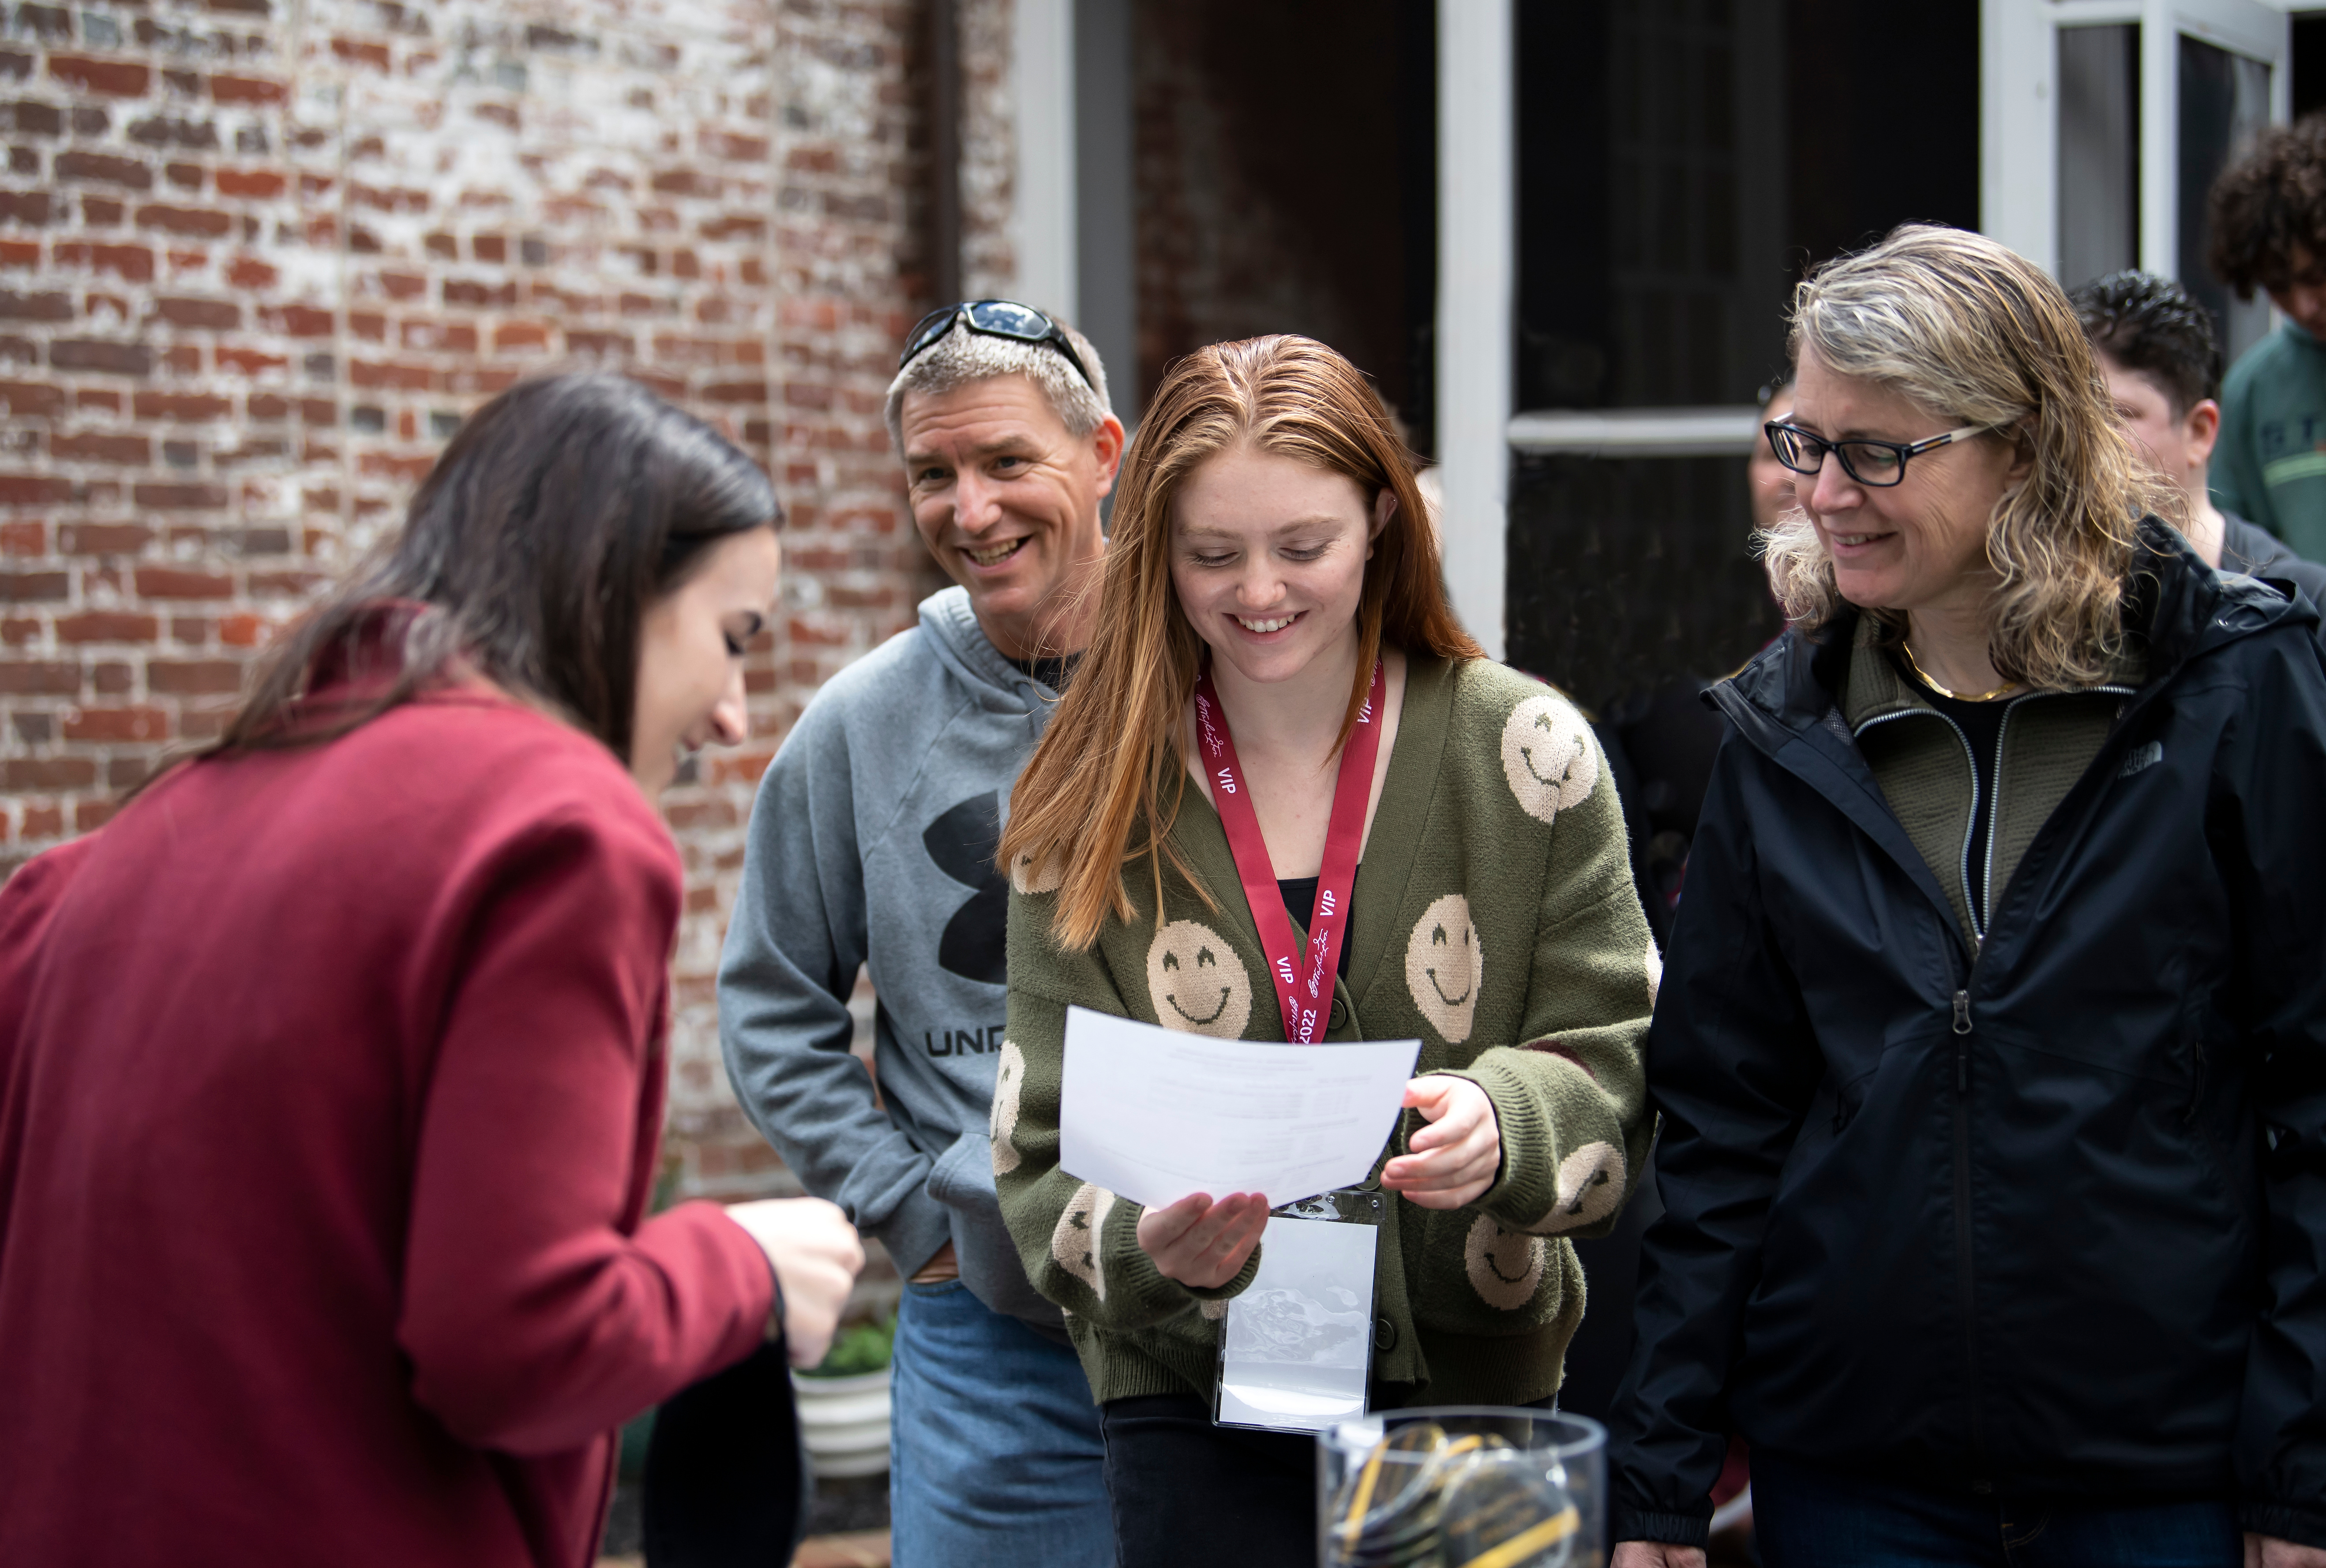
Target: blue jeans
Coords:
[(1805, 1517), (995, 1460)]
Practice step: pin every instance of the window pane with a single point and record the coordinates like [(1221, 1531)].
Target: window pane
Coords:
[(2224, 100), (2099, 150)]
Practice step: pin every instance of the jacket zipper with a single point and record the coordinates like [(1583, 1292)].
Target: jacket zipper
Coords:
[(1965, 1271)]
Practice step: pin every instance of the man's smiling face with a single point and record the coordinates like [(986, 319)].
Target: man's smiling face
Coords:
[(1006, 499)]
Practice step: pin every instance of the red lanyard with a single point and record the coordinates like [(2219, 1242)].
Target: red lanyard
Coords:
[(1302, 999)]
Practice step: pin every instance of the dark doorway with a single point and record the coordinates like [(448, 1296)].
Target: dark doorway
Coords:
[(1676, 178), (1287, 182)]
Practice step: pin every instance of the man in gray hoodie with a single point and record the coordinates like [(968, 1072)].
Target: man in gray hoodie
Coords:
[(872, 844)]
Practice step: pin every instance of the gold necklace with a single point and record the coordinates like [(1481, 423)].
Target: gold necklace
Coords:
[(2003, 690)]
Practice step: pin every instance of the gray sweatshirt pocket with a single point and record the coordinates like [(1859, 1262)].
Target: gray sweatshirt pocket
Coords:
[(963, 1181)]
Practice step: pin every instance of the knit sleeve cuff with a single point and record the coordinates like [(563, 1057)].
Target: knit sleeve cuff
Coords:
[(2304, 1526), (1672, 1529), (1525, 1186), (1134, 1274)]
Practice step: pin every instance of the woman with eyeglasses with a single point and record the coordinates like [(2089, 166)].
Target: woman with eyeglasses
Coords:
[(1991, 1050), (332, 1068)]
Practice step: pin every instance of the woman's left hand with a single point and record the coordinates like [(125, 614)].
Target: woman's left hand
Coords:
[(2269, 1552), (1456, 1156)]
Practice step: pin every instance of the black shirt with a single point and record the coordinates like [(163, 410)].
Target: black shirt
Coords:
[(1981, 725), (1300, 902), (1050, 673)]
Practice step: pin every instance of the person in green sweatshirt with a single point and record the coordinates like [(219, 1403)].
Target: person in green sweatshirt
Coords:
[(1273, 605), (2268, 219)]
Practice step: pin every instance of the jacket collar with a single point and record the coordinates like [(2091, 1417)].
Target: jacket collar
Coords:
[(2176, 608)]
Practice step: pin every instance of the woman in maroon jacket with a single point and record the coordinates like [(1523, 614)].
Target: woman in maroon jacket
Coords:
[(331, 1069)]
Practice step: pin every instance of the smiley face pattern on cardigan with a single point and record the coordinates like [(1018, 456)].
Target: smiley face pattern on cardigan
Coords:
[(1549, 755), (1196, 982), (1075, 1242), (1504, 1266), (1445, 966), (1027, 877), (1590, 1187), (1009, 1088)]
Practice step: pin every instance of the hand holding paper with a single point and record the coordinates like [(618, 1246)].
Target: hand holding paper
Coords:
[(1200, 1243), (1153, 1116)]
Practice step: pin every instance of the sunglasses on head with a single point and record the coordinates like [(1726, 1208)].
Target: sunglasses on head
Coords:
[(993, 319)]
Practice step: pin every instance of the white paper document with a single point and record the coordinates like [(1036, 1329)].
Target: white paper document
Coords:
[(1152, 1115)]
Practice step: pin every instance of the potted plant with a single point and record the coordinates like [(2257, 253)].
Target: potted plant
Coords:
[(843, 1403)]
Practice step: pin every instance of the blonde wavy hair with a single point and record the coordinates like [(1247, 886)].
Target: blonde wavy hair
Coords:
[(1974, 333), (1105, 784)]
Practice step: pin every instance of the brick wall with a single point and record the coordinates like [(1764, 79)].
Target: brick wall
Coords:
[(257, 259)]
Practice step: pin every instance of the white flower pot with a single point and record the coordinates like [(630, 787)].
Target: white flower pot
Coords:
[(844, 1422)]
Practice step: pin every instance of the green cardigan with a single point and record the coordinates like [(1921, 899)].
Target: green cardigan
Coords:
[(1494, 918)]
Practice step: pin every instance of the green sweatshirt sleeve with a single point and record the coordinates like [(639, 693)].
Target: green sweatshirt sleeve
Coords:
[(1079, 1242), (1571, 1096)]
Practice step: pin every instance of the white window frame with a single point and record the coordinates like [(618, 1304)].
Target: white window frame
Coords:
[(2019, 130)]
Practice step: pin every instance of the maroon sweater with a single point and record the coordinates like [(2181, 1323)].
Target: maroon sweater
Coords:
[(331, 1086)]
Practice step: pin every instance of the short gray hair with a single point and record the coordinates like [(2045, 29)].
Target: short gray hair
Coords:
[(961, 357)]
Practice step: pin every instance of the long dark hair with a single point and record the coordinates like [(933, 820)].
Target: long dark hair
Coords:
[(559, 511)]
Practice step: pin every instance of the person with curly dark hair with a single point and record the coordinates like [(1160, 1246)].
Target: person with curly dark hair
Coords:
[(2268, 219)]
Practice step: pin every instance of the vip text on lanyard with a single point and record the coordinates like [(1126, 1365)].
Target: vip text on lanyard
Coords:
[(1301, 997)]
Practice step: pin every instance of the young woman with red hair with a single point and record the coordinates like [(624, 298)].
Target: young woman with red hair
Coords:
[(1272, 607)]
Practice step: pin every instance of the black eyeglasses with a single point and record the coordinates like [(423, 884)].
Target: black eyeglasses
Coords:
[(1878, 464), (993, 319)]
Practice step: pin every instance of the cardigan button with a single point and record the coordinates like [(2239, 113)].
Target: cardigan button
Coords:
[(1384, 1334), (1339, 1018)]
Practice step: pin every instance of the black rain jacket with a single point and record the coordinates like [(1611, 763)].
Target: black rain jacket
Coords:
[(2048, 1218)]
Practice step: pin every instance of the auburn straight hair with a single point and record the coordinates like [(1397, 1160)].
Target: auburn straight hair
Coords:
[(1105, 786)]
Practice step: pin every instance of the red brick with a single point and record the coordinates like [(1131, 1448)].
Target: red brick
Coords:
[(513, 335), (244, 631), (451, 336), (28, 537), (186, 407), (357, 51), (48, 773), (405, 377), (299, 321), (33, 489), (185, 220), (130, 263), (117, 724), (43, 821), (100, 447), (29, 208), (20, 253), (43, 307), (247, 272), (118, 78), (109, 358), (36, 587), (217, 315), (180, 497), (88, 816), (476, 292), (102, 538), (107, 627), (169, 582), (247, 89), (30, 397), (248, 361), (104, 168), (193, 677), (410, 470)]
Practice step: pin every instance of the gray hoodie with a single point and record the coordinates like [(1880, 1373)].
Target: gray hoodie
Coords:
[(872, 843)]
